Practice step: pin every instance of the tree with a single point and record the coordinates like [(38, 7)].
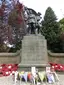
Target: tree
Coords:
[(6, 7), (62, 24), (51, 29), (62, 33), (3, 25), (16, 20), (11, 32)]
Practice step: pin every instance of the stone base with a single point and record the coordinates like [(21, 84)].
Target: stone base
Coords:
[(34, 52), (27, 67)]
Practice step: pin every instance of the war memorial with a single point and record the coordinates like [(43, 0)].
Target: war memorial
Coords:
[(34, 51)]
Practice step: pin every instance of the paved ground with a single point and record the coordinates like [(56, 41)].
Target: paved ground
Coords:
[(9, 81)]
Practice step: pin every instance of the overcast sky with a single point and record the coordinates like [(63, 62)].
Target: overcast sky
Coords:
[(41, 6)]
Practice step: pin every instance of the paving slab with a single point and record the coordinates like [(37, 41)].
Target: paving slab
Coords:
[(8, 80)]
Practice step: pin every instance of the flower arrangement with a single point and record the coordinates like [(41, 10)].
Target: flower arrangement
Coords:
[(57, 67), (7, 69)]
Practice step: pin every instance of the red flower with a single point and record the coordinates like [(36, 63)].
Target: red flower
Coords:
[(57, 67), (7, 69), (3, 65)]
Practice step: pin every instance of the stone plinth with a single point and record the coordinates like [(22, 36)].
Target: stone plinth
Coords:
[(34, 51)]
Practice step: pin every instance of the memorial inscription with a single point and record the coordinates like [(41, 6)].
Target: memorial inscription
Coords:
[(34, 51)]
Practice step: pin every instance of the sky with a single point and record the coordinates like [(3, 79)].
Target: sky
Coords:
[(41, 6)]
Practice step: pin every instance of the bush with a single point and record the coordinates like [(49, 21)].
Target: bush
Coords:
[(17, 47)]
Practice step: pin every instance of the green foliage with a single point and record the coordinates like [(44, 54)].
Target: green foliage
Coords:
[(17, 47), (62, 24), (4, 48), (51, 30), (49, 15), (62, 21)]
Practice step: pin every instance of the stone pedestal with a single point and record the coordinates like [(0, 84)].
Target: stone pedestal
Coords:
[(34, 52)]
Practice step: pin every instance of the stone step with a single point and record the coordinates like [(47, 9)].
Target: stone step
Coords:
[(27, 67)]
